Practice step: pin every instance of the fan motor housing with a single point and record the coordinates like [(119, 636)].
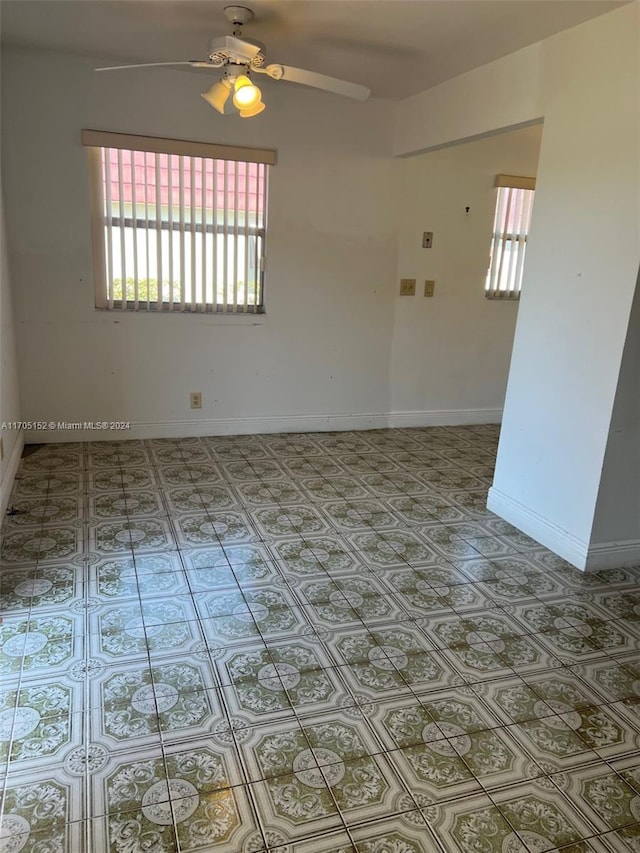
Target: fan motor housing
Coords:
[(231, 49)]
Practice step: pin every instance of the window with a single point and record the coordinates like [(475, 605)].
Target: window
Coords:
[(509, 243), (177, 226)]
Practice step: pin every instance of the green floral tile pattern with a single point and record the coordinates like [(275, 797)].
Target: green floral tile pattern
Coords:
[(122, 537), (168, 698), (234, 616), (223, 527), (40, 643), (311, 774), (611, 800), (37, 588), (50, 543), (198, 498), (316, 555), (290, 520), (127, 502), (269, 492), (123, 578), (360, 515), (118, 479), (265, 682), (616, 681), (189, 790), (49, 483), (190, 473), (393, 548), (33, 811), (34, 512), (131, 630), (314, 643)]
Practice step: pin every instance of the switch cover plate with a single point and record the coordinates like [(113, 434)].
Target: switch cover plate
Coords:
[(407, 287), (429, 287), (427, 239)]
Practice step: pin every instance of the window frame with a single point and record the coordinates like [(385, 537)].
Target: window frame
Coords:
[(95, 141), (503, 237)]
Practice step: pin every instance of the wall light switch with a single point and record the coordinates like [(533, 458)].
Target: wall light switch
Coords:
[(407, 287), (429, 287), (427, 239)]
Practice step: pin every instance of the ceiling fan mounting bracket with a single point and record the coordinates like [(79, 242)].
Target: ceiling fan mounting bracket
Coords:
[(238, 15)]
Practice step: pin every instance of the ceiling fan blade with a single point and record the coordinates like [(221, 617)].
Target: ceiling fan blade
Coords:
[(319, 81), (197, 63)]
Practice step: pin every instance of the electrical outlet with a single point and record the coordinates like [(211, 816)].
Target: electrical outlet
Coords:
[(407, 287), (427, 239), (196, 399), (429, 287)]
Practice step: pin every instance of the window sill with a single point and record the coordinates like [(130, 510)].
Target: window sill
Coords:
[(503, 297), (249, 318)]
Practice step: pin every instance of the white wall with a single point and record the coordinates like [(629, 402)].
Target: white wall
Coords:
[(579, 281), (500, 95), (12, 439), (582, 261), (617, 516), (451, 352), (323, 347)]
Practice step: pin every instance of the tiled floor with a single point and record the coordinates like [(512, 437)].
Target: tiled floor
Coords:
[(317, 643)]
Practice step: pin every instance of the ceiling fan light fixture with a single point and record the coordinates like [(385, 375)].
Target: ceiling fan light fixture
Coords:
[(218, 95), (247, 95), (252, 111)]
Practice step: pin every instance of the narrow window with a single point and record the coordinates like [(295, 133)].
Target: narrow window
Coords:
[(512, 219)]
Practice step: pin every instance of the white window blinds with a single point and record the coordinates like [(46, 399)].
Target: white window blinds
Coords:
[(509, 242), (177, 226)]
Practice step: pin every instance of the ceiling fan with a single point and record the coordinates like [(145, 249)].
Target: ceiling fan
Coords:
[(240, 57)]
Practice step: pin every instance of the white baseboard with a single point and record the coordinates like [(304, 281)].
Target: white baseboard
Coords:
[(544, 531), (218, 426), (445, 417), (273, 424), (584, 556), (613, 555), (10, 472)]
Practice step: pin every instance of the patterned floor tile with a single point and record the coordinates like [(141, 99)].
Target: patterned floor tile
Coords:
[(606, 797), (393, 548), (290, 520), (139, 702), (122, 631), (44, 545), (39, 588), (472, 824), (215, 528), (542, 819), (266, 682), (38, 724), (35, 512), (41, 812), (39, 644), (52, 483), (314, 798), (316, 643), (128, 502), (137, 535), (316, 555), (182, 802)]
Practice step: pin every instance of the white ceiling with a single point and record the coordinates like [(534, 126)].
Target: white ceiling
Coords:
[(396, 47)]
